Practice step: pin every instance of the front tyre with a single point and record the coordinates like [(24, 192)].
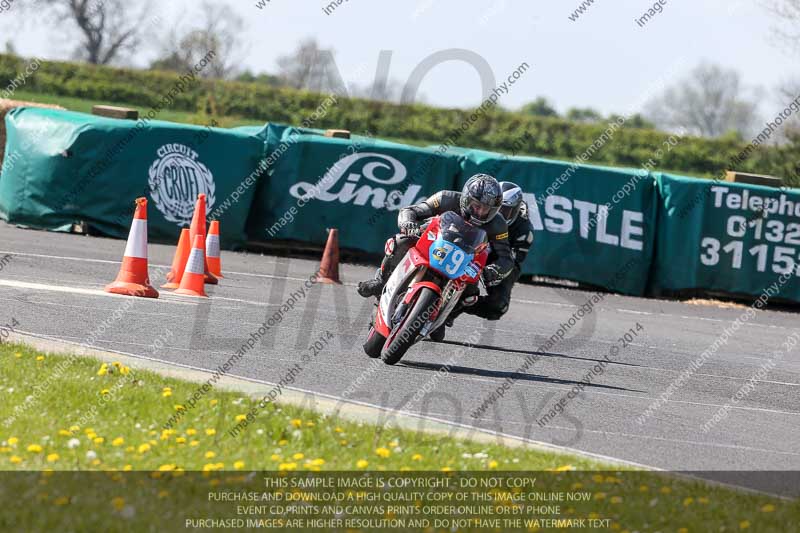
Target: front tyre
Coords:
[(374, 343), (406, 333)]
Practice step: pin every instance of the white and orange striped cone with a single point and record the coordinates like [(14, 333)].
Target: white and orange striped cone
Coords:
[(213, 259), (133, 278), (193, 282), (198, 227)]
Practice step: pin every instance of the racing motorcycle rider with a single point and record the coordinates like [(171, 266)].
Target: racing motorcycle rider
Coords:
[(478, 203), (520, 236)]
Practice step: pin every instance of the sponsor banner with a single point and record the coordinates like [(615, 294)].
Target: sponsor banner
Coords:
[(78, 167), (357, 185), (729, 237), (594, 225)]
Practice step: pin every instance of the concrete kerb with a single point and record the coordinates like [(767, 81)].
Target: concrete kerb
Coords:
[(325, 404)]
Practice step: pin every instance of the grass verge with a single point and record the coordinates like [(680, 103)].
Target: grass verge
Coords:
[(66, 413)]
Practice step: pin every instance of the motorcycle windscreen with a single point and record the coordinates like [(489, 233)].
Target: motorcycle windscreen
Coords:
[(453, 250)]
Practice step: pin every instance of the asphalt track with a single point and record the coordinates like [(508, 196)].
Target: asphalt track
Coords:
[(52, 286)]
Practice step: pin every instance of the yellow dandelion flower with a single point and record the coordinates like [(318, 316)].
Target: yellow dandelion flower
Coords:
[(209, 467), (318, 462), (180, 440), (40, 358), (744, 524), (287, 466), (310, 424), (194, 443), (191, 431), (104, 392), (564, 468), (98, 440), (298, 456), (35, 448), (394, 443), (166, 468), (643, 488), (96, 462), (275, 457), (361, 463), (125, 370), (446, 469), (665, 490), (405, 469), (283, 442), (600, 496), (239, 418), (702, 499), (416, 457), (144, 448), (103, 370), (383, 452), (297, 422), (63, 500), (166, 393), (17, 354), (211, 432), (493, 464), (768, 508), (343, 442), (118, 503), (65, 432), (52, 458), (688, 501), (119, 441), (179, 407), (74, 428), (5, 449), (13, 441), (238, 465), (683, 530), (338, 430), (210, 455), (15, 459), (577, 486), (616, 499), (212, 403), (127, 468)]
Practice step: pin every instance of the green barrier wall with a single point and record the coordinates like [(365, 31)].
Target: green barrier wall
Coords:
[(572, 240), (727, 237), (76, 166), (363, 183)]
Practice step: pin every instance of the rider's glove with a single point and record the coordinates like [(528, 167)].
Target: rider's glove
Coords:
[(491, 276), (409, 227)]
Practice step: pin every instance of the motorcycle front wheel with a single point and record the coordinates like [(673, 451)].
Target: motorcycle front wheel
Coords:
[(406, 333)]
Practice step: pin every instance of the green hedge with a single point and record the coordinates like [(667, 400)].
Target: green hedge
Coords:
[(499, 130)]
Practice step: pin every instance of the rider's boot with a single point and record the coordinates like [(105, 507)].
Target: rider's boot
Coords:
[(466, 301), (372, 287)]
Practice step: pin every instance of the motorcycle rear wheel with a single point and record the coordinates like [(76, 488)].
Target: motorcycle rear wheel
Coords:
[(407, 332)]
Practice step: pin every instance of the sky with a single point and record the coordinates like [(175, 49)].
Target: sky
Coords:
[(604, 59)]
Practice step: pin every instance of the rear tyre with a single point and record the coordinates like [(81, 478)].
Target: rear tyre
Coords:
[(374, 343), (405, 335)]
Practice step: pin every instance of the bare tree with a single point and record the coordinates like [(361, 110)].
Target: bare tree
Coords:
[(311, 67), (108, 29), (709, 102), (218, 31), (788, 14)]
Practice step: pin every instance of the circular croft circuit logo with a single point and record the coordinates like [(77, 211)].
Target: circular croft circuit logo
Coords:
[(176, 178)]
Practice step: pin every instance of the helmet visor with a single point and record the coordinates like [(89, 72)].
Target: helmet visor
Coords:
[(479, 210)]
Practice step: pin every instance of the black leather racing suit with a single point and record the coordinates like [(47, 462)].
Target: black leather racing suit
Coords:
[(441, 202), (495, 304)]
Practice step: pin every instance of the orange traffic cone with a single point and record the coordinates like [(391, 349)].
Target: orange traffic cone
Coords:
[(329, 268), (193, 283), (198, 227), (133, 279), (179, 261), (213, 259)]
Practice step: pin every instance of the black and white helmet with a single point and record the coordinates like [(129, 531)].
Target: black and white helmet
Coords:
[(512, 201), (481, 199)]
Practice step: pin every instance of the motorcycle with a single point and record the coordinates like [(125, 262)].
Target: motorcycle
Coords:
[(427, 285)]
